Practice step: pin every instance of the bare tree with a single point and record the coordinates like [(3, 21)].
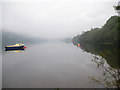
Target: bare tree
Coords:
[(110, 77)]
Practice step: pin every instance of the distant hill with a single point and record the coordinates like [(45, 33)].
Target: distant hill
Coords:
[(67, 40), (108, 34), (10, 38)]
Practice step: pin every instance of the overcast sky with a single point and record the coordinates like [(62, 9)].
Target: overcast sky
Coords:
[(55, 18)]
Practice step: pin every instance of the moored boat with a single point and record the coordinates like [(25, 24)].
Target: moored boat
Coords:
[(15, 47)]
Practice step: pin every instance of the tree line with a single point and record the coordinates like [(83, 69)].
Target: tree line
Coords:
[(107, 34)]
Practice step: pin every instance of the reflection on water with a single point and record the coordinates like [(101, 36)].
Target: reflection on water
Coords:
[(108, 52), (17, 51), (110, 77), (49, 65), (60, 65), (106, 59)]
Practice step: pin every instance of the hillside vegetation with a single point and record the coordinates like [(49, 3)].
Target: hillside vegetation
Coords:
[(9, 38), (108, 34)]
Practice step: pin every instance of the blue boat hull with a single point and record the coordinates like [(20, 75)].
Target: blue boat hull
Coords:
[(14, 48)]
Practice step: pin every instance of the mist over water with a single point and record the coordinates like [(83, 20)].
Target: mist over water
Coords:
[(55, 19), (51, 60), (48, 65)]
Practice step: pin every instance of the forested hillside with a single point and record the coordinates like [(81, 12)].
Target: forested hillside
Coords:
[(9, 38), (108, 34)]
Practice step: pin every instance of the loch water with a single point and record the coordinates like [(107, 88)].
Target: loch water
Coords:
[(57, 65)]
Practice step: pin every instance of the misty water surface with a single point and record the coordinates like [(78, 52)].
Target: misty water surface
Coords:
[(49, 65)]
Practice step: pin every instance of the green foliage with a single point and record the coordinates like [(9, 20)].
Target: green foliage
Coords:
[(117, 7), (100, 41), (108, 34)]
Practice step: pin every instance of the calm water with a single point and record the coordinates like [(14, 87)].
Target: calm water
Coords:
[(50, 65)]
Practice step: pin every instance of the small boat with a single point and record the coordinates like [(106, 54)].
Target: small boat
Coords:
[(15, 47)]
